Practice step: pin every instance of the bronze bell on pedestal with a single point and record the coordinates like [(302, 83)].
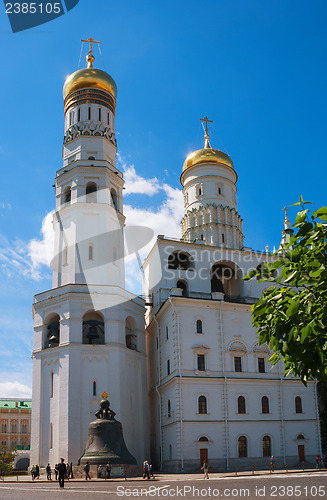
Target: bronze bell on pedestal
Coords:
[(105, 440)]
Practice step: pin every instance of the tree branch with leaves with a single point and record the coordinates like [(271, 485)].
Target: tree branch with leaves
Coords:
[(291, 316)]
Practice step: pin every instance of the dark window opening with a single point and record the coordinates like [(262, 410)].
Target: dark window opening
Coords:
[(266, 446), (242, 447), (99, 114), (179, 260), (201, 362), (261, 365), (94, 388), (203, 438), (199, 326), (237, 363), (169, 409), (202, 404), (168, 367), (93, 329), (298, 404), (89, 113), (265, 404), (241, 404), (181, 284), (79, 115)]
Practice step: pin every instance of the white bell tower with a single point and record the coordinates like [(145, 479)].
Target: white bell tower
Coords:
[(89, 331), (209, 189)]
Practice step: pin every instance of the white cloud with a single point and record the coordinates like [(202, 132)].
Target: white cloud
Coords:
[(14, 390), (40, 251), (135, 183)]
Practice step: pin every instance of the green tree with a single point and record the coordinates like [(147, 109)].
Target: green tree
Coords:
[(291, 315), (6, 461)]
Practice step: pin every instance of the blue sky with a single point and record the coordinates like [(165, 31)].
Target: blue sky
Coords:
[(256, 68)]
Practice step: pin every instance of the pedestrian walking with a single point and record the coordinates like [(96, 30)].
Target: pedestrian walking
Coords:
[(56, 471), (318, 462), (151, 471), (71, 470), (61, 473), (87, 471), (48, 469), (67, 471), (272, 464), (33, 472), (108, 470), (37, 472), (205, 468), (146, 471)]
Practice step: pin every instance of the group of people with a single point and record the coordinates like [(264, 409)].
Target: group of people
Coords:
[(147, 470), (35, 472), (321, 462), (68, 474)]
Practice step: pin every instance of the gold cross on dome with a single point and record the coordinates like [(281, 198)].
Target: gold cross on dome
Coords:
[(206, 120), (90, 41), (286, 210), (104, 395)]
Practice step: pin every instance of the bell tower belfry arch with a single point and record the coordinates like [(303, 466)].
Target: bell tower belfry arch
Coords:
[(80, 347)]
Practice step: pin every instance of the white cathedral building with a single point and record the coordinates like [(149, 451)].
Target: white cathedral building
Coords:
[(185, 373)]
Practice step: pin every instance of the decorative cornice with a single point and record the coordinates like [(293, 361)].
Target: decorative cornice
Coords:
[(90, 129)]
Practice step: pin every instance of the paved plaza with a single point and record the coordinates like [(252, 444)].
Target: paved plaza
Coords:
[(306, 485)]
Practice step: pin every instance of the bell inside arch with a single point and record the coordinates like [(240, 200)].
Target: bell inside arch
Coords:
[(53, 333), (92, 334)]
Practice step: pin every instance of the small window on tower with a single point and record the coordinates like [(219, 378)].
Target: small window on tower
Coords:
[(199, 190), (79, 114), (99, 114), (168, 367), (223, 238), (220, 189), (167, 333), (169, 409), (89, 113), (70, 118), (108, 119), (94, 388)]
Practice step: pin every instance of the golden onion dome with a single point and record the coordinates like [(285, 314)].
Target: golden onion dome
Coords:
[(89, 78), (205, 155)]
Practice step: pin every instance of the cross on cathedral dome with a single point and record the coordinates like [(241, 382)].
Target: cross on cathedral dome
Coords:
[(89, 77), (207, 154)]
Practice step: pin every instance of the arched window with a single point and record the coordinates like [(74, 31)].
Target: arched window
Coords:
[(183, 285), (52, 324), (300, 436), (67, 194), (4, 427), (242, 447), (298, 404), (91, 158), (91, 192), (179, 260), (24, 428), (3, 443), (266, 446), (93, 328), (14, 427), (203, 438), (91, 251), (94, 388), (241, 404), (14, 444), (264, 404), (202, 404), (220, 273), (114, 199), (199, 326), (130, 334)]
